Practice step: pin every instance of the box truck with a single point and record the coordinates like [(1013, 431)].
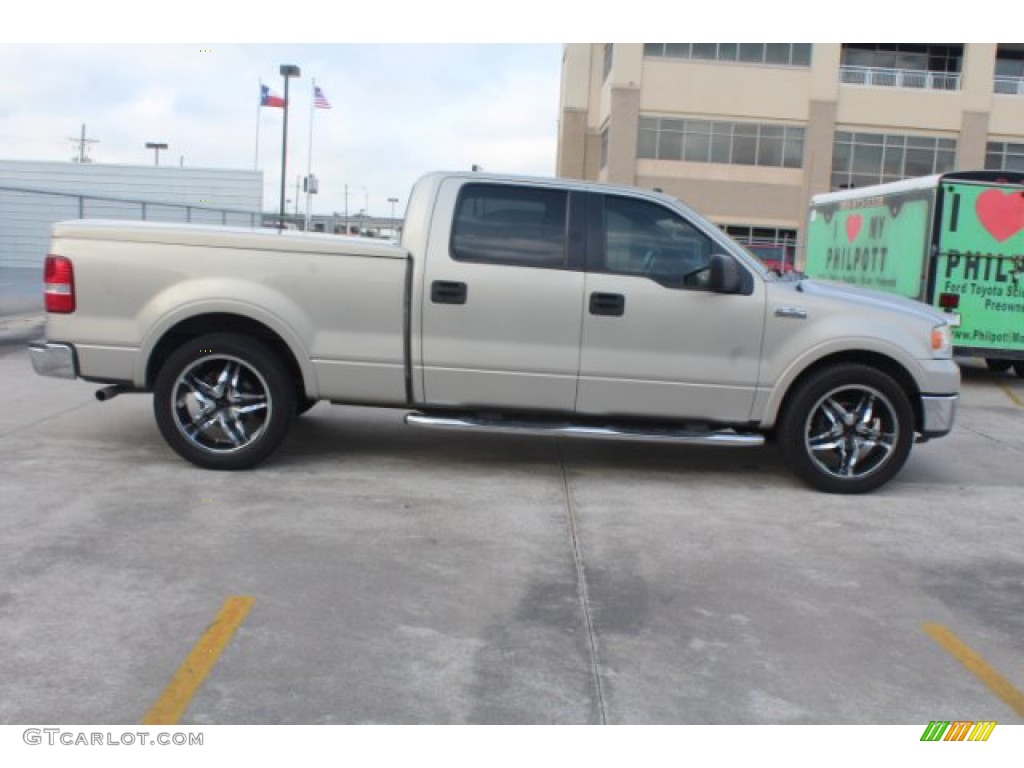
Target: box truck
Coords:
[(954, 240)]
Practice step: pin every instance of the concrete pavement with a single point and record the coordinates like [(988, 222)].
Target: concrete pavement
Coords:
[(404, 576)]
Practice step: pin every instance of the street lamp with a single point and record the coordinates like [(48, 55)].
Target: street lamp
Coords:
[(156, 149), (394, 202), (287, 71)]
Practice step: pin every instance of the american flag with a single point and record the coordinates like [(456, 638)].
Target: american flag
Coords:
[(319, 100)]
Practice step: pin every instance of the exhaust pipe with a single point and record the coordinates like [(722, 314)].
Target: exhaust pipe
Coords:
[(109, 393)]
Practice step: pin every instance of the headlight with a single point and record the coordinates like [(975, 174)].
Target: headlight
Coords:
[(942, 341)]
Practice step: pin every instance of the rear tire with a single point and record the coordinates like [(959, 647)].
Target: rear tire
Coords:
[(848, 428), (224, 401), (997, 365), (1018, 368)]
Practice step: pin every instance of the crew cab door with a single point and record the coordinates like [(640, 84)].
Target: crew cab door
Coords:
[(657, 341), (502, 298)]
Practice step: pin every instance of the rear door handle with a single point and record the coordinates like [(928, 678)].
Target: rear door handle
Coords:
[(447, 292), (610, 304)]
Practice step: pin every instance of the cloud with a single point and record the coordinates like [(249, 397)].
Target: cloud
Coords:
[(397, 110)]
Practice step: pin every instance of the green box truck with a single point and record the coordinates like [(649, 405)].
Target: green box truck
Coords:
[(955, 241)]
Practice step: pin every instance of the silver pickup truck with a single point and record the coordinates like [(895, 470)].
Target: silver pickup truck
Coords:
[(516, 305)]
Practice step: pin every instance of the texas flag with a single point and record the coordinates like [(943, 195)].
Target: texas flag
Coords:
[(268, 98)]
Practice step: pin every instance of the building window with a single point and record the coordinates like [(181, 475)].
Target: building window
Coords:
[(901, 65), (609, 50), (521, 226), (781, 54), (1009, 77), (1004, 156), (604, 147), (774, 246), (862, 159), (714, 141)]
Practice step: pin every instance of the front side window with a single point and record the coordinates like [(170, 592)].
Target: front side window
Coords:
[(647, 240), (520, 226)]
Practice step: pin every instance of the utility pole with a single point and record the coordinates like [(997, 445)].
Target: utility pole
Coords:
[(81, 141)]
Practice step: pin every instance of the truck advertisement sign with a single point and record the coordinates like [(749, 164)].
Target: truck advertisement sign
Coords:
[(981, 258), (875, 242)]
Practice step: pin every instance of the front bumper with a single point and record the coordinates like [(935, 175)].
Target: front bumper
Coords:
[(50, 359), (938, 414)]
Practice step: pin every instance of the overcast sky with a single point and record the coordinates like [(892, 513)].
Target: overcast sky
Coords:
[(397, 110)]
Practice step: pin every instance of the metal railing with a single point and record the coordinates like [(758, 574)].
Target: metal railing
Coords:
[(105, 206), (26, 215), (1013, 86), (900, 78)]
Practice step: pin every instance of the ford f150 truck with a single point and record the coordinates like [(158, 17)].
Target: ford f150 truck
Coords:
[(515, 305)]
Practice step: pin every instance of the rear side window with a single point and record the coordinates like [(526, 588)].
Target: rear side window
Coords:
[(520, 226)]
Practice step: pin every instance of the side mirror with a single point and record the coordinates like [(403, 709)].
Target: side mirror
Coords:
[(726, 274)]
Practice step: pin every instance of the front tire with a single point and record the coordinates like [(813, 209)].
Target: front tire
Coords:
[(224, 401), (848, 428)]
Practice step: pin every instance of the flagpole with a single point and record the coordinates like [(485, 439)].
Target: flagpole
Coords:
[(259, 107), (309, 157)]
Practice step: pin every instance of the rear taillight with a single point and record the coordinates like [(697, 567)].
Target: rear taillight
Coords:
[(58, 285), (949, 301)]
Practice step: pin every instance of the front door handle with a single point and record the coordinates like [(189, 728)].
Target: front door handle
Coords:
[(447, 292), (610, 304)]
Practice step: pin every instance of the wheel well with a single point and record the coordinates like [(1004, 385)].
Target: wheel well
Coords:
[(886, 364), (199, 325)]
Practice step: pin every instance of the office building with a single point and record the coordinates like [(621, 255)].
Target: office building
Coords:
[(747, 132)]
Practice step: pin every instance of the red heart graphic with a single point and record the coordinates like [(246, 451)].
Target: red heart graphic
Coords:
[(1001, 213), (853, 226)]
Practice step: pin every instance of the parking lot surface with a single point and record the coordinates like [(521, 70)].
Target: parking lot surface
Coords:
[(403, 576)]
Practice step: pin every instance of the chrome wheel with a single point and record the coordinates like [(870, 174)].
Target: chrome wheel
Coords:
[(221, 404), (851, 432), (224, 400), (847, 428)]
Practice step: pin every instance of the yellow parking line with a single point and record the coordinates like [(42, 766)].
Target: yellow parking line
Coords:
[(171, 705), (1012, 395), (995, 682)]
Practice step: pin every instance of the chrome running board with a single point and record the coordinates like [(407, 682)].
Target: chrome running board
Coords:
[(725, 437)]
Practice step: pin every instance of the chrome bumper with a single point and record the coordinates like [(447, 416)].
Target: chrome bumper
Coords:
[(939, 414), (51, 359)]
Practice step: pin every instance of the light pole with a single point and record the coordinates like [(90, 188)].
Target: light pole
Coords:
[(156, 149), (287, 71), (394, 202)]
